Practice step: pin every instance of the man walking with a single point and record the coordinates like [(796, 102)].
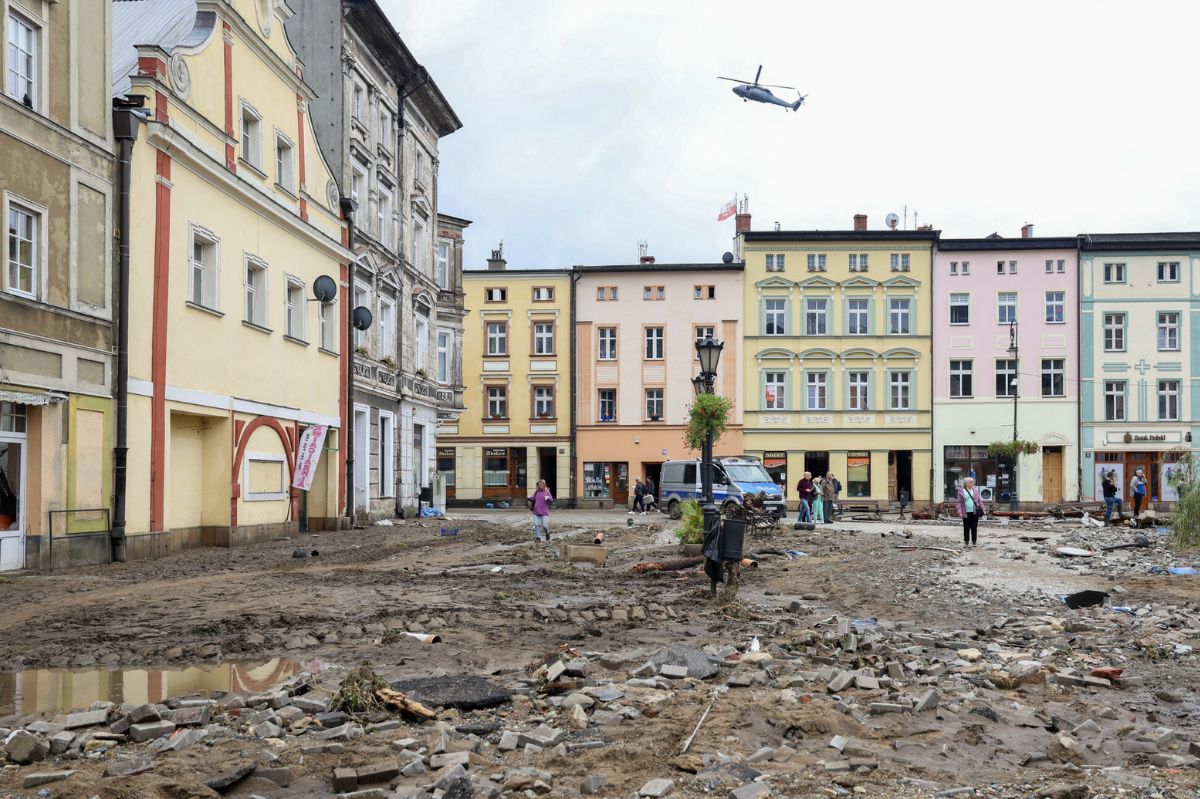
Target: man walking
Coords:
[(639, 494)]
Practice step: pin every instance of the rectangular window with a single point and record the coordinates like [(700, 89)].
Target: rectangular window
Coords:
[(443, 357), (387, 455), (1114, 332), (251, 138), (1114, 273), (966, 267), (202, 289), (654, 343), (1012, 267), (704, 292), (775, 263), (357, 109), (900, 393), (608, 343), (654, 293), (1168, 271), (284, 160), (817, 384), (1006, 377), (12, 418), (859, 385), (24, 254), (960, 309), (22, 83), (774, 317), (256, 293), (954, 267), (543, 293), (386, 217), (497, 402), (1168, 400), (1168, 331), (900, 262), (543, 402), (654, 404), (1000, 267), (1114, 400), (387, 327), (770, 263), (1054, 377), (358, 184), (1056, 307), (816, 317), (326, 319), (1061, 266), (858, 262), (775, 394), (1006, 307), (543, 338), (495, 295), (420, 170), (1049, 266), (608, 404), (497, 338), (858, 474), (960, 379), (420, 341), (816, 263), (899, 316), (495, 467), (443, 265), (295, 310), (703, 332), (857, 317)]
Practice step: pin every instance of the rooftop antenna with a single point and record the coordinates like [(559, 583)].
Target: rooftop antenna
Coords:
[(905, 217), (745, 204), (776, 226), (643, 249)]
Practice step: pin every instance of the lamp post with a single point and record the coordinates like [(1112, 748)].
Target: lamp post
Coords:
[(1014, 500), (709, 353)]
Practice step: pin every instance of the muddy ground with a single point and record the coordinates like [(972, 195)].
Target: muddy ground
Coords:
[(353, 601)]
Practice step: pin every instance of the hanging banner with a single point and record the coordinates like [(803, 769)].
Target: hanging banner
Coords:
[(312, 440)]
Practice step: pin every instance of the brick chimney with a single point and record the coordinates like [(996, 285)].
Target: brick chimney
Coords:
[(497, 263), (646, 259), (860, 221), (1027, 230), (741, 223)]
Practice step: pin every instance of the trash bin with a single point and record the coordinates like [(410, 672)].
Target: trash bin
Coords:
[(733, 535)]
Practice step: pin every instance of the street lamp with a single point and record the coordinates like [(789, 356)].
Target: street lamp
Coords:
[(1013, 350), (709, 353)]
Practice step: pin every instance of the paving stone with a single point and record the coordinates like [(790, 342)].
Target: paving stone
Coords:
[(182, 739), (752, 790), (879, 708), (865, 683), (578, 667), (45, 778), (327, 720), (450, 759), (928, 701), (1138, 747), (838, 742), (382, 771), (61, 742), (88, 718), (840, 682), (280, 775), (656, 788), (43, 727), (345, 779), (783, 754), (583, 700), (127, 768), (24, 747), (509, 741), (196, 716), (150, 730), (415, 768), (699, 665), (345, 732), (555, 670), (145, 713), (593, 784), (309, 705)]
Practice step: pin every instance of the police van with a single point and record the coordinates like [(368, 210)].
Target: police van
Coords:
[(733, 478)]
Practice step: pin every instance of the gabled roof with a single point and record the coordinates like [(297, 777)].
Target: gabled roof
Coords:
[(816, 280), (774, 282), (164, 23)]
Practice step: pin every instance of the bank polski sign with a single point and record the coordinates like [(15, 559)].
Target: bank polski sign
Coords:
[(308, 455)]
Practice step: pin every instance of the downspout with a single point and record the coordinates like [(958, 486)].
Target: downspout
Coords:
[(348, 207), (575, 275), (1079, 369), (126, 122)]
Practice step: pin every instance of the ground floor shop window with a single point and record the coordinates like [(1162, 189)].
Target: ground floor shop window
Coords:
[(445, 466), (776, 465), (1162, 470), (995, 477), (606, 480), (495, 468), (858, 474)]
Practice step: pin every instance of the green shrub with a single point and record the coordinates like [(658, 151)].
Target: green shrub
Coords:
[(691, 531)]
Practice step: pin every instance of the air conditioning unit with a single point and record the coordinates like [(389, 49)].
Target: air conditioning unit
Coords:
[(987, 493)]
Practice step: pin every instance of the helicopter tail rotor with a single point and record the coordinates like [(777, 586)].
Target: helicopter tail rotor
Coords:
[(799, 101)]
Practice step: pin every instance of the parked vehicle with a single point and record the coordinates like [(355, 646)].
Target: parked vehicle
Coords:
[(733, 478)]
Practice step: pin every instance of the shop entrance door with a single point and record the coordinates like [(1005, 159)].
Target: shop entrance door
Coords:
[(620, 484), (548, 468), (1133, 462), (12, 500), (817, 463), (1052, 476), (900, 476), (518, 473)]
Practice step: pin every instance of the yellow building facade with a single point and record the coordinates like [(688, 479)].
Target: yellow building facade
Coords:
[(837, 358), (235, 217), (516, 425)]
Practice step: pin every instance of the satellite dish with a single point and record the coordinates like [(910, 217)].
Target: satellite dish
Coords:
[(361, 318), (727, 258), (892, 220), (324, 289)]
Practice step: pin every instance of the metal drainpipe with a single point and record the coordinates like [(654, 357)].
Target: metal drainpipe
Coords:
[(575, 275), (347, 206), (125, 130), (1079, 369)]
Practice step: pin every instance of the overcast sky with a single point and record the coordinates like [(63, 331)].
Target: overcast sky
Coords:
[(588, 126)]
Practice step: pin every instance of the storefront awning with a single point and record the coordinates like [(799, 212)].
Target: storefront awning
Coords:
[(28, 398)]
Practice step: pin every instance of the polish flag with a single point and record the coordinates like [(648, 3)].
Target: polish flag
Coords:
[(728, 209)]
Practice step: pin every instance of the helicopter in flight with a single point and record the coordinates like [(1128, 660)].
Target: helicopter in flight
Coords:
[(759, 93)]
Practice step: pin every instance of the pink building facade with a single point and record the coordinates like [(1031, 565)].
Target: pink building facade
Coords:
[(989, 294)]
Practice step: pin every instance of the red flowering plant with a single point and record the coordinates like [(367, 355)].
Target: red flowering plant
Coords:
[(708, 412)]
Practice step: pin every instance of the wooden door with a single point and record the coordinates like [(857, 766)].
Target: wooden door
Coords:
[(1052, 475), (1133, 462), (620, 484)]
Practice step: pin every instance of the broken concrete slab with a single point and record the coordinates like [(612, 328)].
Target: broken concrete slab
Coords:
[(45, 778), (657, 788), (465, 693), (699, 665), (130, 767)]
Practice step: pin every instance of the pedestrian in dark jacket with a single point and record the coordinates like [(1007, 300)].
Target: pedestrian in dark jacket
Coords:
[(804, 489), (828, 495), (1111, 500), (639, 494)]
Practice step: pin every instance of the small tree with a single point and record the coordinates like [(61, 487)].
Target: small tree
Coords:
[(708, 412), (691, 531)]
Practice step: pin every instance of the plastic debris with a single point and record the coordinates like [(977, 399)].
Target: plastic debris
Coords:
[(795, 553), (448, 531), (755, 646)]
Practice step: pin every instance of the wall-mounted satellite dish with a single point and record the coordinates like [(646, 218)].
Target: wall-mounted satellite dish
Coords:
[(324, 289), (727, 258), (361, 318), (892, 220)]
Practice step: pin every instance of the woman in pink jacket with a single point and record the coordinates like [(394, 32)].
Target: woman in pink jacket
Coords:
[(970, 508), (540, 504)]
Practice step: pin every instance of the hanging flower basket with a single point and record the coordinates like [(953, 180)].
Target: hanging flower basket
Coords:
[(1011, 449), (708, 412)]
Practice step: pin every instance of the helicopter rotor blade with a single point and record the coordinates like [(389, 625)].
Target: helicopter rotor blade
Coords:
[(776, 86), (757, 74), (735, 80)]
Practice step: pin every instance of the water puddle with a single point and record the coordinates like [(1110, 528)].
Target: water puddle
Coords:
[(49, 691)]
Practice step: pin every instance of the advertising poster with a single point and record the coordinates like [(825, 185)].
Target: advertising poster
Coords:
[(1103, 469), (1168, 484)]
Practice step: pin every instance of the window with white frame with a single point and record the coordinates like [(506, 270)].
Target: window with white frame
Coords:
[(859, 385), (705, 292), (816, 317), (960, 309), (1114, 273), (497, 338), (817, 385), (900, 391), (543, 338), (1168, 271), (358, 183), (23, 65), (256, 292), (285, 156), (1060, 266), (1012, 267), (1006, 377), (264, 477), (327, 321), (900, 316), (202, 288), (387, 327), (654, 343), (12, 417), (420, 338), (421, 245), (420, 171), (361, 299), (443, 265), (774, 262), (543, 402), (608, 404), (954, 267), (900, 262), (251, 137), (774, 317), (1049, 266), (1006, 307), (775, 391), (1000, 267), (358, 102), (23, 272), (1056, 307), (543, 293), (385, 129), (608, 343), (386, 216), (654, 293), (1168, 331), (816, 262), (294, 300), (858, 316), (703, 332), (858, 262), (654, 404), (1114, 332), (495, 295), (1114, 400), (1168, 400), (966, 267), (387, 454), (443, 356), (960, 379), (497, 402), (1054, 377)]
